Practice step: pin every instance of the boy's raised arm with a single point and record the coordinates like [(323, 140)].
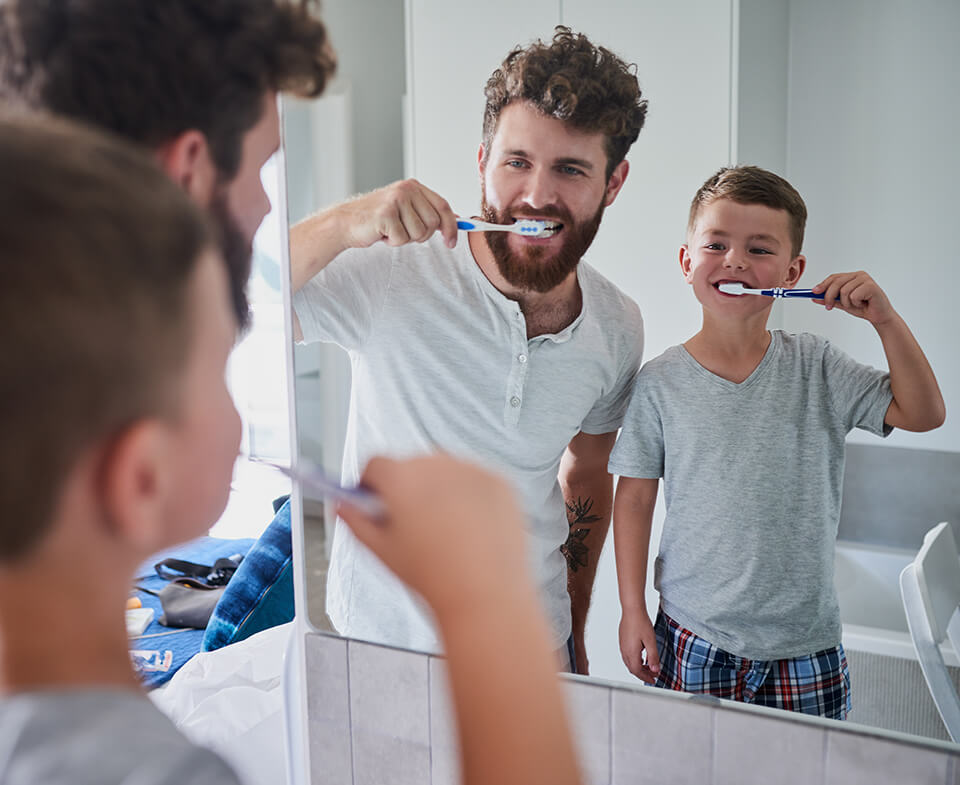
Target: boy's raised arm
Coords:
[(503, 674), (632, 521), (917, 402)]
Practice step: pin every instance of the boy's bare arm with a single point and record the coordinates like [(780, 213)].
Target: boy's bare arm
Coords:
[(917, 402), (632, 521), (510, 713), (588, 493)]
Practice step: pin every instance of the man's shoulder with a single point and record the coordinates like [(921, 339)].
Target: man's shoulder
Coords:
[(607, 297)]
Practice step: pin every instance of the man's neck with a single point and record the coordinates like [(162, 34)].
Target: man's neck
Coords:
[(63, 630), (545, 312)]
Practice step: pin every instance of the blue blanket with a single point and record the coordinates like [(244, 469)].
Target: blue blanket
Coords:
[(183, 643)]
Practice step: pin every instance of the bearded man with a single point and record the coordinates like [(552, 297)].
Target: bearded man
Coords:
[(506, 349)]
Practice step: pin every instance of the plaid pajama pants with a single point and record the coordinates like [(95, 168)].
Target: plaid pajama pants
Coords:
[(815, 684)]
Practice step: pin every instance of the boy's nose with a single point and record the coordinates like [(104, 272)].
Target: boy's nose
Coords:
[(734, 260)]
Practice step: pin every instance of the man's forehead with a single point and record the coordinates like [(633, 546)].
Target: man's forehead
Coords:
[(524, 129)]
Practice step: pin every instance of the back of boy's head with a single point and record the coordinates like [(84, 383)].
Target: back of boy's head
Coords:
[(753, 185), (97, 251)]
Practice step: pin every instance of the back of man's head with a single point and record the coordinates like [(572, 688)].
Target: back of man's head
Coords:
[(98, 251), (151, 70)]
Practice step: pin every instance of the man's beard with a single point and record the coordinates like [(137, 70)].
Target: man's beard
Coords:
[(529, 270), (237, 252)]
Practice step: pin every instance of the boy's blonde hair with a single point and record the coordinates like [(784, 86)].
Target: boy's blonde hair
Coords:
[(753, 185)]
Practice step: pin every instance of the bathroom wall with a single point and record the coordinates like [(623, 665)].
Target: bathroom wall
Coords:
[(380, 715)]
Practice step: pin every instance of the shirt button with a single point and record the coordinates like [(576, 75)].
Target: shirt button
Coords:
[(514, 401), (522, 358)]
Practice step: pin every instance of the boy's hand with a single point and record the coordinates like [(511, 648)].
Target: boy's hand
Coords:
[(857, 294), (636, 637), (452, 531)]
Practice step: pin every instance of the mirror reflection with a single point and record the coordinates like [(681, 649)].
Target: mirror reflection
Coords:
[(857, 123)]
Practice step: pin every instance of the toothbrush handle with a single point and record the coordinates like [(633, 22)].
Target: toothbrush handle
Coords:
[(806, 293), (467, 226)]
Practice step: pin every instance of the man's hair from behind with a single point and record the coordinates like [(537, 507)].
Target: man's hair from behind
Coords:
[(572, 80), (753, 185), (148, 70), (98, 251)]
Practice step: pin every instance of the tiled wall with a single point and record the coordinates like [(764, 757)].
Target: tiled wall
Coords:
[(382, 716)]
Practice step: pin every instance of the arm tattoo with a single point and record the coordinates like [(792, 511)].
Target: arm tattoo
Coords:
[(579, 517)]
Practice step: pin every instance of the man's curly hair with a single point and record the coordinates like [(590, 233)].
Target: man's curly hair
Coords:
[(571, 79)]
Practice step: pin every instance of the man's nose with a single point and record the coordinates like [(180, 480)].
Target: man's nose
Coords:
[(540, 190)]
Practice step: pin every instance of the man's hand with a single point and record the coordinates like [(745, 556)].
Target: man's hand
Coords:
[(857, 294), (397, 214), (636, 638)]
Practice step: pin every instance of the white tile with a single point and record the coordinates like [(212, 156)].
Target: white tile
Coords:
[(444, 746), (753, 748), (853, 757), (328, 710), (661, 738), (390, 715), (588, 707)]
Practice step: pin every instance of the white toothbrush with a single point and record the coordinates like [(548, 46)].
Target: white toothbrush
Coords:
[(777, 291), (525, 226)]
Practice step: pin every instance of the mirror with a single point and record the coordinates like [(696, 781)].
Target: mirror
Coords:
[(858, 114)]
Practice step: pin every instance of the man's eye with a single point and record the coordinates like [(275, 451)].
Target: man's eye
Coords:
[(570, 170), (516, 164)]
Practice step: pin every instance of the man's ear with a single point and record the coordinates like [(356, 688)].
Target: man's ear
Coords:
[(187, 161), (135, 480), (481, 162), (615, 182), (794, 271), (686, 263)]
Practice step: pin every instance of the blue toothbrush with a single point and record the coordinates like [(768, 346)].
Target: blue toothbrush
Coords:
[(777, 291), (524, 226)]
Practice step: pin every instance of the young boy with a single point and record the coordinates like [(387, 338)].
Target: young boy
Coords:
[(747, 428), (118, 440)]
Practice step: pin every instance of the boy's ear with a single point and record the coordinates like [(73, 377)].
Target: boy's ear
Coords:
[(187, 161), (686, 263), (795, 270), (135, 483), (617, 178)]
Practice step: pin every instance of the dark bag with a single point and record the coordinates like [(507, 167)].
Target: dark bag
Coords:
[(194, 590)]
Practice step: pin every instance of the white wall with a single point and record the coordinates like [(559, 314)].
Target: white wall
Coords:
[(874, 108)]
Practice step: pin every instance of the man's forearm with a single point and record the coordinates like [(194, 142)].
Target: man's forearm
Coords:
[(588, 513)]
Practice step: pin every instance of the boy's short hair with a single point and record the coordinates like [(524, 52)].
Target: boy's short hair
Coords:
[(571, 79), (98, 251), (753, 185)]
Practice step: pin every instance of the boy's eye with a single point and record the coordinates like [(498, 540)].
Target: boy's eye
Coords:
[(760, 251), (715, 247)]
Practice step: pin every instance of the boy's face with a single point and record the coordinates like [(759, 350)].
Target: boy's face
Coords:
[(742, 243), (538, 167), (205, 432)]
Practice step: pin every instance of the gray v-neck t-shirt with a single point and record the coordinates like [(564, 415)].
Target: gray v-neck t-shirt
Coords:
[(752, 478)]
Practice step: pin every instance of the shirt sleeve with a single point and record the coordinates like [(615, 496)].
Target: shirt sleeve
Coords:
[(608, 412), (860, 393), (639, 451), (342, 302)]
